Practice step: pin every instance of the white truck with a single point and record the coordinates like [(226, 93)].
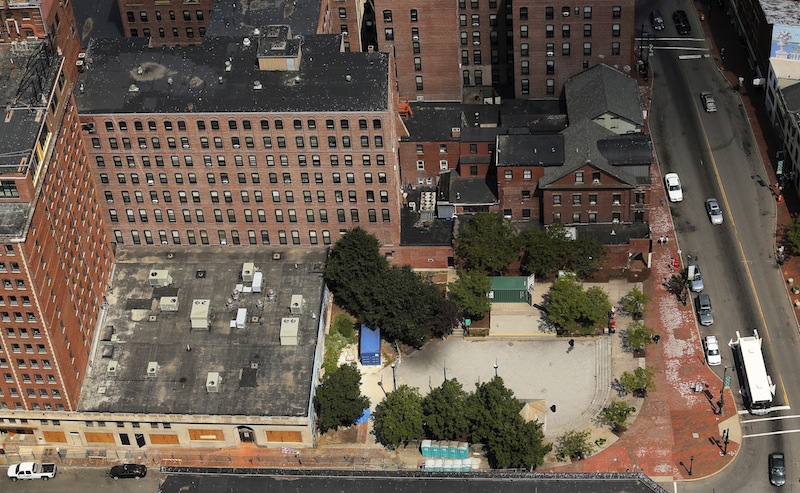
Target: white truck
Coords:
[(31, 470)]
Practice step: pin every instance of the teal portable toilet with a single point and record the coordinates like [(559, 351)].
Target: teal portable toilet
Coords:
[(452, 448), (463, 450), (426, 448), (444, 448), (438, 465), (435, 450), (448, 465), (429, 464), (466, 465)]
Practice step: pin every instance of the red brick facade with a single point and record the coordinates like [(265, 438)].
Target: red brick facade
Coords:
[(518, 194), (553, 42), (421, 37), (212, 179), (422, 162), (166, 22), (589, 195)]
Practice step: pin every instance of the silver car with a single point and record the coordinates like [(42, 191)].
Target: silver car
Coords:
[(705, 314), (714, 212), (695, 278)]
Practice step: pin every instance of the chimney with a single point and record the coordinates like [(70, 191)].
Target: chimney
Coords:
[(370, 49)]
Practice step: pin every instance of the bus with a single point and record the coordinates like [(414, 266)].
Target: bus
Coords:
[(756, 384)]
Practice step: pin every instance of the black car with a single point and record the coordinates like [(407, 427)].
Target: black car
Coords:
[(135, 471), (777, 469), (681, 22)]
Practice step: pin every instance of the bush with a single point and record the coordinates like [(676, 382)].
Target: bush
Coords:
[(344, 325), (575, 445)]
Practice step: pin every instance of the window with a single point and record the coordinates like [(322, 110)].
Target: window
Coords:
[(387, 16), (525, 67), (595, 177), (548, 13), (579, 177), (550, 67), (587, 30), (418, 80), (576, 199), (414, 15), (524, 49), (565, 11), (576, 217), (388, 33), (616, 12), (565, 31), (587, 48), (557, 199), (525, 86), (616, 199), (615, 30), (565, 49), (615, 48)]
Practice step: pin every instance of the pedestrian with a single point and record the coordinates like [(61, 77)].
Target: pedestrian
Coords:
[(660, 240), (656, 338), (671, 264), (722, 53), (572, 343), (666, 240)]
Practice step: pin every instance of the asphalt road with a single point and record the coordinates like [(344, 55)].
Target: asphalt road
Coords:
[(81, 480), (716, 156)]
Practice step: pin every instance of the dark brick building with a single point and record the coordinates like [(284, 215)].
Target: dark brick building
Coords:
[(166, 22), (55, 257), (223, 152)]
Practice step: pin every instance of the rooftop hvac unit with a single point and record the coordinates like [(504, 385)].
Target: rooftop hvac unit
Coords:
[(289, 329), (212, 382), (168, 303), (248, 270), (258, 281), (296, 304), (199, 315), (152, 369), (159, 278), (111, 369)]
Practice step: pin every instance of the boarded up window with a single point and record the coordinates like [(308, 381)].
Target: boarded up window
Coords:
[(206, 435), (54, 437), (284, 436), (92, 437), (164, 440)]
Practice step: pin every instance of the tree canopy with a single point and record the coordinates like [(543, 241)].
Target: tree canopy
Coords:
[(574, 310), (338, 400), (398, 418), (638, 336), (548, 250), (792, 235), (616, 415), (575, 445), (394, 299), (638, 382), (634, 303), (469, 292), (487, 243), (443, 409)]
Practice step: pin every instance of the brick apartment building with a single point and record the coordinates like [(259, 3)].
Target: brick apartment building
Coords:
[(166, 22), (490, 48), (184, 158), (55, 258)]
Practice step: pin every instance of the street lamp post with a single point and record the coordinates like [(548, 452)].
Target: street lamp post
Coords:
[(722, 390), (495, 367), (394, 376), (691, 464)]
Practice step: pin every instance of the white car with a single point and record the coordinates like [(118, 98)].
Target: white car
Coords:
[(673, 186), (713, 356), (708, 102)]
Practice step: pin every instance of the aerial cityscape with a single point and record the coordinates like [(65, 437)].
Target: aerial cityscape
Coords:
[(471, 245)]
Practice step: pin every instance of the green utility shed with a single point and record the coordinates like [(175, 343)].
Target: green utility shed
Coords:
[(511, 289)]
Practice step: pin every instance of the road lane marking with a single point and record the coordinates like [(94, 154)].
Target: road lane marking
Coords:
[(775, 418), (741, 250), (770, 433)]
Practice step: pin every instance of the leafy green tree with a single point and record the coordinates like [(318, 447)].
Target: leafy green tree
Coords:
[(487, 243), (634, 303), (586, 257), (596, 308), (638, 382), (469, 292), (443, 409), (544, 250), (338, 400), (575, 310), (616, 415), (344, 326), (792, 235), (639, 336), (519, 444), (575, 445), (401, 307), (354, 267), (398, 418), (446, 316), (491, 407), (495, 421)]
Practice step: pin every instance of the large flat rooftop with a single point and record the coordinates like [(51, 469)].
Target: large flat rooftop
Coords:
[(241, 17), (126, 76), (257, 375)]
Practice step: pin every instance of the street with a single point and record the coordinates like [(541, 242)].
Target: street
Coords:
[(716, 155), (81, 480)]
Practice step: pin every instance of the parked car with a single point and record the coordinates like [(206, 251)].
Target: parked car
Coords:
[(32, 470), (695, 278), (708, 102), (713, 356), (714, 212), (705, 314), (673, 185), (135, 471), (656, 20), (681, 22), (777, 469)]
